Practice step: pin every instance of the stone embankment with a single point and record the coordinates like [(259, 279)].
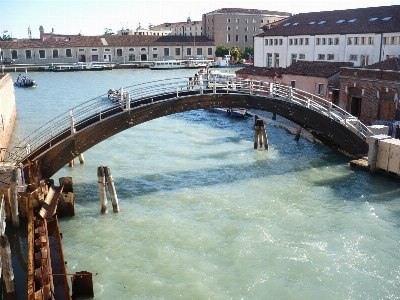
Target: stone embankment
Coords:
[(8, 112)]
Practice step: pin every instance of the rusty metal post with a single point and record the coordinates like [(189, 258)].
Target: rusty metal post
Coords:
[(14, 198)]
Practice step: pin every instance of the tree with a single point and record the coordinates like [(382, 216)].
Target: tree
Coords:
[(220, 51), (249, 52), (6, 37), (108, 31)]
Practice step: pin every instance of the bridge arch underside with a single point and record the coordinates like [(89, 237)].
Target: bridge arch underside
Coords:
[(326, 130)]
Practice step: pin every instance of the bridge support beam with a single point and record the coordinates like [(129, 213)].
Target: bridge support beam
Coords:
[(111, 189), (14, 198)]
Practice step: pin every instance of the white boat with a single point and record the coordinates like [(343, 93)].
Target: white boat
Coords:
[(198, 63), (221, 79), (168, 64)]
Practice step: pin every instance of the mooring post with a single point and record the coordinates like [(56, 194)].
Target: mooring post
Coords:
[(14, 198), (297, 136), (264, 135), (81, 158), (101, 179), (255, 132), (111, 189), (374, 157)]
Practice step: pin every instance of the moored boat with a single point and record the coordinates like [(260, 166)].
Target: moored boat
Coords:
[(24, 81), (168, 65), (232, 112)]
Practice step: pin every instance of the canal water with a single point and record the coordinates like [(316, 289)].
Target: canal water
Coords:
[(205, 216)]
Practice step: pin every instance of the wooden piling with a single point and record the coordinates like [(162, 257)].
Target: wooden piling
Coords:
[(260, 135), (374, 157), (111, 189), (101, 179), (297, 136), (81, 158), (14, 198), (71, 163), (66, 205)]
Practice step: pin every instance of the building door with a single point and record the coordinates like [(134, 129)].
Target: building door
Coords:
[(143, 57), (82, 58), (95, 57), (107, 57), (355, 106)]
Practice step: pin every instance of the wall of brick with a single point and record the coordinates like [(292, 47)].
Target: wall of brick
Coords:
[(8, 111), (372, 84)]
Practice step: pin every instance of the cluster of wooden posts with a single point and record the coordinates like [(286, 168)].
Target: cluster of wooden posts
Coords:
[(104, 178)]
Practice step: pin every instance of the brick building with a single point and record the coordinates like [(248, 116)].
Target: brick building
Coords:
[(372, 93)]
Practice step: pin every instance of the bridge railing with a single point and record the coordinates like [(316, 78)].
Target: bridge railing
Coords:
[(94, 109)]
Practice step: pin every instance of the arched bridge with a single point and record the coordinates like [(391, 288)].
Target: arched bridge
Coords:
[(65, 137)]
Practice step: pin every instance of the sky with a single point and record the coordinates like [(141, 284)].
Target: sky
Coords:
[(91, 17)]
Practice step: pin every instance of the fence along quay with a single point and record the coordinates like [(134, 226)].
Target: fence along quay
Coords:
[(143, 102)]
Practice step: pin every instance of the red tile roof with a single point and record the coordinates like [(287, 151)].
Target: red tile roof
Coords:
[(391, 64), (329, 22), (112, 41), (304, 68), (249, 12)]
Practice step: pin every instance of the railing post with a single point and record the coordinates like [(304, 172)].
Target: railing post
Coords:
[(128, 102), (330, 109), (251, 87), (214, 85), (177, 91), (72, 121), (28, 148), (121, 97), (201, 84), (271, 89), (290, 94)]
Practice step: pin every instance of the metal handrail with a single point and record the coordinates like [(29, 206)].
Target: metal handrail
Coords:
[(94, 108)]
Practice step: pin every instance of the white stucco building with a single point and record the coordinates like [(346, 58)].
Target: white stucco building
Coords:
[(362, 36)]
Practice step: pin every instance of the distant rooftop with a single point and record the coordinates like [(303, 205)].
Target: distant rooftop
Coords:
[(351, 21), (248, 11)]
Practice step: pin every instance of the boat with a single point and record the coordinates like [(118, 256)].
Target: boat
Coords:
[(24, 81), (226, 62), (221, 79), (168, 65), (81, 67), (232, 112)]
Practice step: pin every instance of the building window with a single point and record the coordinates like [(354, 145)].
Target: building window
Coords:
[(245, 37), (154, 49), (293, 83), (228, 20), (300, 41), (254, 21), (237, 38), (254, 29), (323, 41), (237, 20), (81, 50), (199, 51), (302, 56), (290, 41), (68, 53), (237, 28), (353, 57), (246, 28), (55, 53), (210, 51), (295, 41), (119, 52), (14, 54), (294, 58), (276, 60), (370, 40), (228, 28), (269, 60), (321, 56), (42, 54), (154, 55), (246, 21), (280, 42), (275, 42), (364, 60), (142, 49), (107, 50), (189, 51), (94, 50), (28, 54), (306, 41), (271, 42), (356, 41), (386, 40), (320, 89), (228, 39), (177, 51), (329, 41), (393, 40), (330, 56), (336, 41), (131, 49), (349, 41), (318, 41)]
